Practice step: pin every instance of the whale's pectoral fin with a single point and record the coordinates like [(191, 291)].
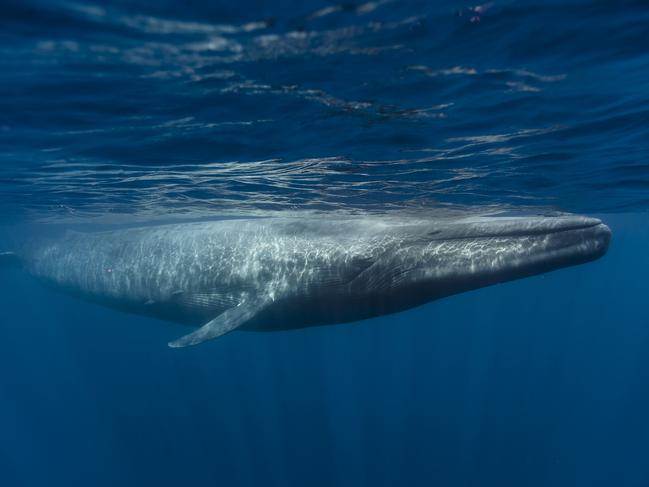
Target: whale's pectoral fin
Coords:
[(224, 323)]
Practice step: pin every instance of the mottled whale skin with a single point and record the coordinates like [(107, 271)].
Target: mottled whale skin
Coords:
[(283, 273)]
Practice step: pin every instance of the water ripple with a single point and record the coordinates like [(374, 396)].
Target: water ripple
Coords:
[(142, 111)]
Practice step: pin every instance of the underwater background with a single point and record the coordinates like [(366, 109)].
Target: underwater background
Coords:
[(130, 112)]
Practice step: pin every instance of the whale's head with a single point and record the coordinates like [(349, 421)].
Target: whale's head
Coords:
[(475, 252)]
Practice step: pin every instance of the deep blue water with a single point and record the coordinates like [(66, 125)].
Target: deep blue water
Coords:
[(130, 112)]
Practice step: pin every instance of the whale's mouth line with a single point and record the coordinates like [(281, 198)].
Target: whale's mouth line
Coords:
[(523, 232)]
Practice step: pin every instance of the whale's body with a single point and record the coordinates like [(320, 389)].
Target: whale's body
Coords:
[(282, 273)]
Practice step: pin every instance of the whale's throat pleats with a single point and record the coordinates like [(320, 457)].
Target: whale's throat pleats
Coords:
[(227, 321), (206, 301)]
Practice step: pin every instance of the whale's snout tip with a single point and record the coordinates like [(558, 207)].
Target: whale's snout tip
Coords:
[(578, 239), (595, 234), (603, 235), (595, 240)]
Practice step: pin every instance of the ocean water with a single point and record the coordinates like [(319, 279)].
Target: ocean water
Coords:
[(131, 112)]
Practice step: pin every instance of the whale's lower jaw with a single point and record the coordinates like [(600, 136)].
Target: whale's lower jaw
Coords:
[(565, 248), (538, 254)]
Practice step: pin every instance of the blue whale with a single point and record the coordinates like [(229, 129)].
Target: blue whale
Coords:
[(284, 273)]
